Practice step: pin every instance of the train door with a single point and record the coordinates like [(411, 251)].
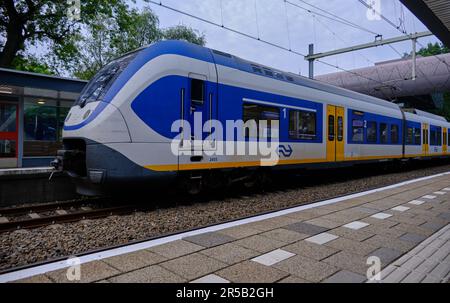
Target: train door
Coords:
[(445, 144), (335, 133), (9, 138), (201, 106), (425, 136)]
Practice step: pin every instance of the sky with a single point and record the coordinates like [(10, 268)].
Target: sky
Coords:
[(284, 24)]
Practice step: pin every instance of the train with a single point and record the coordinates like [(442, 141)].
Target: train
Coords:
[(122, 127)]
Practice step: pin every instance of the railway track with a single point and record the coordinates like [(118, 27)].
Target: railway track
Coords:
[(25, 217)]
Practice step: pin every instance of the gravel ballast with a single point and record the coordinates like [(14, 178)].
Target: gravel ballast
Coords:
[(24, 247)]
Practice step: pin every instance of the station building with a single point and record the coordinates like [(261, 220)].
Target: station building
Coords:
[(33, 108)]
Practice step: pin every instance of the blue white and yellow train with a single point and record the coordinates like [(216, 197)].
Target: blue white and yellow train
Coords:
[(119, 130)]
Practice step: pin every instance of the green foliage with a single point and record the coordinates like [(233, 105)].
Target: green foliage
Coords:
[(433, 49), (108, 37), (182, 32), (31, 64), (106, 30)]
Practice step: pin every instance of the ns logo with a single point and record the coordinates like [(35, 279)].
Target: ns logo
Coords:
[(285, 151)]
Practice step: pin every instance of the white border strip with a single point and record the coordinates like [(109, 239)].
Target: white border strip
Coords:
[(279, 105), (42, 269)]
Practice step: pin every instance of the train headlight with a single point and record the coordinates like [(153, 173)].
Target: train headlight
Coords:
[(86, 114), (96, 176)]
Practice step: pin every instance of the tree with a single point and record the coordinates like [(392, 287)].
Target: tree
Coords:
[(107, 38), (33, 21), (182, 32), (433, 49), (31, 64)]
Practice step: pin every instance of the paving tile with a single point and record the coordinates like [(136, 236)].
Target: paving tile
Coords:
[(412, 262), (414, 277), (433, 225), (445, 216), (321, 238), (284, 235), (359, 248), (408, 219), (348, 261), (272, 223), (416, 202), (273, 257), (239, 232), (357, 235), (367, 210), (260, 243), (345, 276), (135, 260), (90, 272), (209, 239), (305, 228), (381, 216), (413, 229), (386, 232), (230, 253), (251, 272), (323, 223), (396, 276), (151, 274), (294, 280), (35, 279), (401, 208), (193, 266), (307, 268), (441, 271), (431, 279), (411, 237), (176, 249), (386, 255), (211, 279), (439, 193), (427, 266), (311, 250), (356, 225), (387, 242), (429, 197)]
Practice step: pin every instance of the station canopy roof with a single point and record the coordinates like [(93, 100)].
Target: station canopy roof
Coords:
[(435, 14)]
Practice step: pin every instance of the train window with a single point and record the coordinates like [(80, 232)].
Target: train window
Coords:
[(417, 137), (357, 130), (258, 113), (279, 76), (394, 133), (302, 125), (409, 135), (383, 133), (268, 72), (289, 78), (197, 91), (340, 129), (448, 138), (257, 69), (331, 128), (371, 131), (433, 137)]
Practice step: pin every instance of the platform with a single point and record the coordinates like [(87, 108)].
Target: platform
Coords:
[(8, 172), (15, 184), (406, 227)]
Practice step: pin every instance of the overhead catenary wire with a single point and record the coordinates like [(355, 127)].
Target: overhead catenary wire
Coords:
[(343, 21), (159, 3), (347, 22)]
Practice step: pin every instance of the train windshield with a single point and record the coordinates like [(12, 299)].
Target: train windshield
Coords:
[(102, 81)]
